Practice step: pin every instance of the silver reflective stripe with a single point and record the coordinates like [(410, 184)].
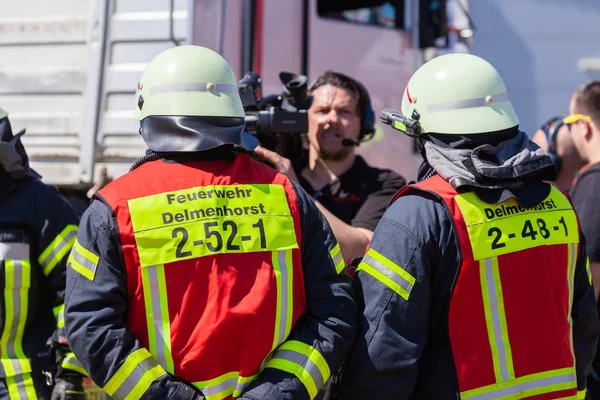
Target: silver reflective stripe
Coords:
[(571, 270), (20, 383), (522, 387), (14, 327), (134, 377), (83, 261), (379, 266), (306, 364), (13, 330), (240, 387), (228, 384), (468, 103), (191, 87), (337, 258), (61, 315), (499, 343), (157, 317), (73, 361), (14, 251), (64, 241), (285, 300)]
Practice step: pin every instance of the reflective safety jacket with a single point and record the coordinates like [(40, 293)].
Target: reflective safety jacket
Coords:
[(510, 316), (37, 230), (212, 285)]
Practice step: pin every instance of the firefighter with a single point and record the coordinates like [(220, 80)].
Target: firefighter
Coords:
[(475, 284), (202, 272), (37, 230)]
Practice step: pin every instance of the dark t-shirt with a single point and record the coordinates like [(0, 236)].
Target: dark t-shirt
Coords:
[(586, 201), (359, 196)]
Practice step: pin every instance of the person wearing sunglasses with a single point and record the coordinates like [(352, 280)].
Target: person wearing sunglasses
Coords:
[(584, 125), (556, 140)]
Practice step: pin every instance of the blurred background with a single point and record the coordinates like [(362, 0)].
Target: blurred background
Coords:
[(69, 68)]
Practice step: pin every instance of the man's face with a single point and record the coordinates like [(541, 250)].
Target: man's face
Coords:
[(333, 116)]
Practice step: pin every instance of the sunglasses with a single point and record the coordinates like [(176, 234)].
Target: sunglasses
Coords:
[(571, 119)]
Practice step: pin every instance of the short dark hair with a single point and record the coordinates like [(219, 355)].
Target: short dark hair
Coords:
[(339, 80), (587, 100)]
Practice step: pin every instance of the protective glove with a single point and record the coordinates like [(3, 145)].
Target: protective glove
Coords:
[(68, 388)]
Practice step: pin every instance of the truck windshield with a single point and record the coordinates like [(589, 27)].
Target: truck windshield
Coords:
[(385, 14)]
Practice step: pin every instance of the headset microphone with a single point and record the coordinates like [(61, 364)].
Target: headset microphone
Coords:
[(350, 142)]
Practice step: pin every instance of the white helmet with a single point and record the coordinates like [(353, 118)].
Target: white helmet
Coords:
[(188, 81), (191, 81), (458, 94)]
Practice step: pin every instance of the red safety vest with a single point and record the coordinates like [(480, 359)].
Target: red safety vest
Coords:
[(214, 273), (510, 320)]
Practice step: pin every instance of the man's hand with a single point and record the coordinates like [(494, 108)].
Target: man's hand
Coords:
[(280, 163), (68, 388), (352, 240)]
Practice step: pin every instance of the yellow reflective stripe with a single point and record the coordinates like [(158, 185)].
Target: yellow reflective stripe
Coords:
[(20, 387), (388, 273), (157, 315), (581, 394), (134, 377), (304, 362), (220, 387), (587, 268), (229, 384), (529, 385), (17, 278), (242, 384), (495, 319), (83, 261), (338, 259), (59, 248), (59, 315), (538, 391), (71, 362), (572, 262), (284, 275)]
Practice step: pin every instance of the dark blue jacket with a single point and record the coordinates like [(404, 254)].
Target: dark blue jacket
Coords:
[(37, 230)]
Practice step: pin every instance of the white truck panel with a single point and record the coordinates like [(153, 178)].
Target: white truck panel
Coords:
[(43, 74), (68, 74), (138, 32)]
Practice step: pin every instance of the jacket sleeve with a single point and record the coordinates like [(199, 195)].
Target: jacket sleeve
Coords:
[(95, 311), (394, 293), (322, 338), (55, 225), (584, 313)]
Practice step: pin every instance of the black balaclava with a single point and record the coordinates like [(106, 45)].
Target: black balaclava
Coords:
[(13, 157)]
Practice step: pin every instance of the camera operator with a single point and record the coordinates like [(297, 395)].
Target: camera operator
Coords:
[(351, 194)]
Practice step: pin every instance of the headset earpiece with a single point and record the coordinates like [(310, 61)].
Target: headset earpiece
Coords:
[(367, 118), (550, 129)]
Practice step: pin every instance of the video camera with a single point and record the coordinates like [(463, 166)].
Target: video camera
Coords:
[(275, 114)]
